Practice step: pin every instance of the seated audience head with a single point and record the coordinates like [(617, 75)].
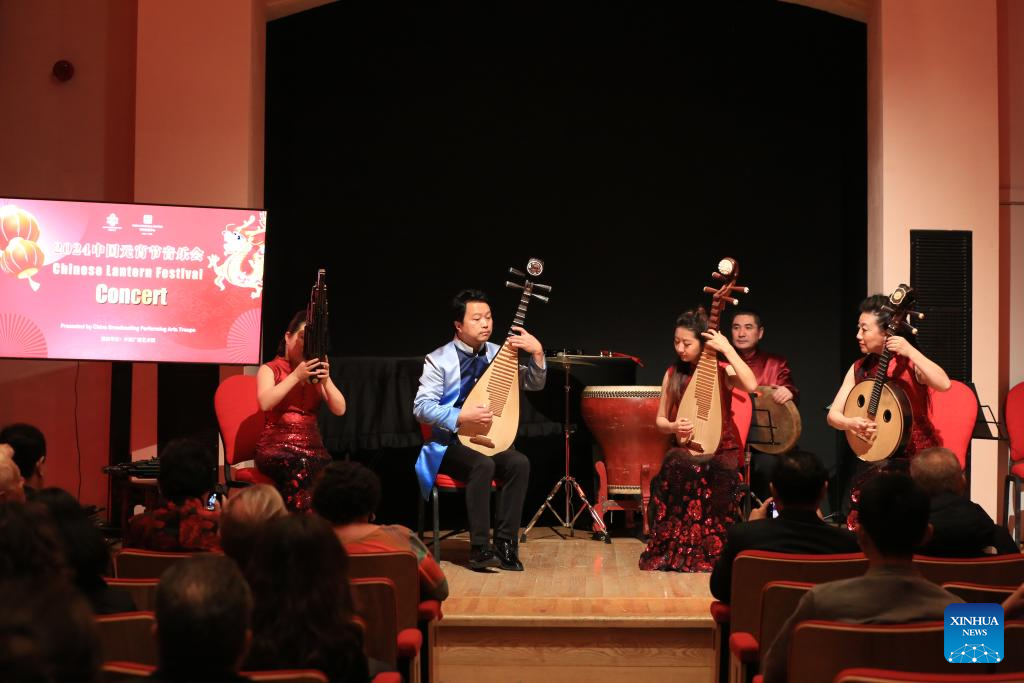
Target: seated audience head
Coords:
[(47, 633), (12, 484), (346, 492), (799, 480), (84, 548), (30, 546), (187, 470), (29, 446), (203, 607), (937, 470), (246, 511), (302, 615), (892, 517)]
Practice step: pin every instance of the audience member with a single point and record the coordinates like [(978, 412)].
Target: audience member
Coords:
[(302, 615), (86, 552), (203, 608), (892, 523), (181, 520), (30, 546), (960, 528), (245, 513), (798, 485), (47, 633), (347, 495), (29, 446)]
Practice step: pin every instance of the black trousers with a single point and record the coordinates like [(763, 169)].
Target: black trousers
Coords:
[(510, 467)]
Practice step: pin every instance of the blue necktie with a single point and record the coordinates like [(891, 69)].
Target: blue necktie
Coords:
[(471, 367)]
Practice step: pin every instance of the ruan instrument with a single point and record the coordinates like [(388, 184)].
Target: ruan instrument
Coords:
[(775, 427), (315, 339), (498, 387), (701, 402), (876, 399)]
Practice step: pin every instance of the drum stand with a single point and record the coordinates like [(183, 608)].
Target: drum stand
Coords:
[(571, 486), (748, 493)]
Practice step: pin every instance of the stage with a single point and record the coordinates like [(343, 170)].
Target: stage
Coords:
[(582, 611)]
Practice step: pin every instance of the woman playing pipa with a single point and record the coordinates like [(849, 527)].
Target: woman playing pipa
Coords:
[(695, 497)]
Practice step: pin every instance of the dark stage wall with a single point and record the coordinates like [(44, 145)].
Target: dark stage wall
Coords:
[(416, 149)]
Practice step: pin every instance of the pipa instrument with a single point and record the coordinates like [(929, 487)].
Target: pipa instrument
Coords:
[(701, 402), (498, 387)]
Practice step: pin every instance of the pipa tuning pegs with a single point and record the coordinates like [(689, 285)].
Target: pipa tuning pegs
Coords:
[(543, 288), (913, 331), (518, 273), (543, 298), (514, 285)]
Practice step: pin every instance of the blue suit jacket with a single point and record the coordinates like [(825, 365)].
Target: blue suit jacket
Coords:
[(435, 404)]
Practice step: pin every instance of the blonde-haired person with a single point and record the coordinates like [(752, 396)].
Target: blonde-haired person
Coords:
[(243, 517), (12, 484)]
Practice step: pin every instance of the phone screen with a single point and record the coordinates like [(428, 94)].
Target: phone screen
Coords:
[(211, 502), (773, 511)]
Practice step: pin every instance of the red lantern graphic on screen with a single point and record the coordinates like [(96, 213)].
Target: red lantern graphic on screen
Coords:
[(15, 222), (22, 258)]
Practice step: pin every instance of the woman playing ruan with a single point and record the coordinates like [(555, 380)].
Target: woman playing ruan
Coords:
[(290, 450), (694, 499), (909, 369)]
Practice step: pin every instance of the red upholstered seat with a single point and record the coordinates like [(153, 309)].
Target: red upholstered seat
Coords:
[(241, 421), (443, 483), (954, 412), (1014, 480)]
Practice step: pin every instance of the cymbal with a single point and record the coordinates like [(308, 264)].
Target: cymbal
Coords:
[(565, 359)]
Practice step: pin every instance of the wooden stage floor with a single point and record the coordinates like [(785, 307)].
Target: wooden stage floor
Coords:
[(582, 611)]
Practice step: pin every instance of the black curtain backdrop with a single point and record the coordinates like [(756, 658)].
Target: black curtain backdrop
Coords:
[(414, 149)]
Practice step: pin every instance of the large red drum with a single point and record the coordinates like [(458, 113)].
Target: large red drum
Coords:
[(622, 419)]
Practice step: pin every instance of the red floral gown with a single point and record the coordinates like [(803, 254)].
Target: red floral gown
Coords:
[(290, 450), (694, 500), (922, 431)]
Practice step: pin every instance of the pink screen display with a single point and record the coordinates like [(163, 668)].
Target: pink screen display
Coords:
[(84, 280)]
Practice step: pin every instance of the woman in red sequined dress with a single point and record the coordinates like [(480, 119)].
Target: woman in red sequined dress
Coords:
[(290, 450), (694, 500), (910, 370)]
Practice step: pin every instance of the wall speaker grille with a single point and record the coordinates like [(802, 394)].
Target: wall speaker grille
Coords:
[(940, 272)]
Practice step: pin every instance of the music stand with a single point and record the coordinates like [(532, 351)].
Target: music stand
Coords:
[(567, 480), (748, 493)]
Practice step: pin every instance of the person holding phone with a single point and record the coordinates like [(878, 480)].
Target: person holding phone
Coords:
[(290, 450), (798, 485)]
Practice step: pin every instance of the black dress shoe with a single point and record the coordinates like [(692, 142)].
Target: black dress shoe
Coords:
[(482, 557), (508, 555)]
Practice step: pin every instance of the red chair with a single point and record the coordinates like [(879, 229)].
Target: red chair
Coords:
[(132, 672), (742, 413), (442, 484), (143, 591), (1014, 416), (954, 413), (819, 650), (134, 563), (241, 421), (417, 619), (991, 570), (127, 637), (861, 675), (976, 592), (753, 569)]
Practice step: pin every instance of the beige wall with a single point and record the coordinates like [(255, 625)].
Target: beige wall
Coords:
[(1011, 175), (69, 140), (166, 106), (934, 140), (199, 106)]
